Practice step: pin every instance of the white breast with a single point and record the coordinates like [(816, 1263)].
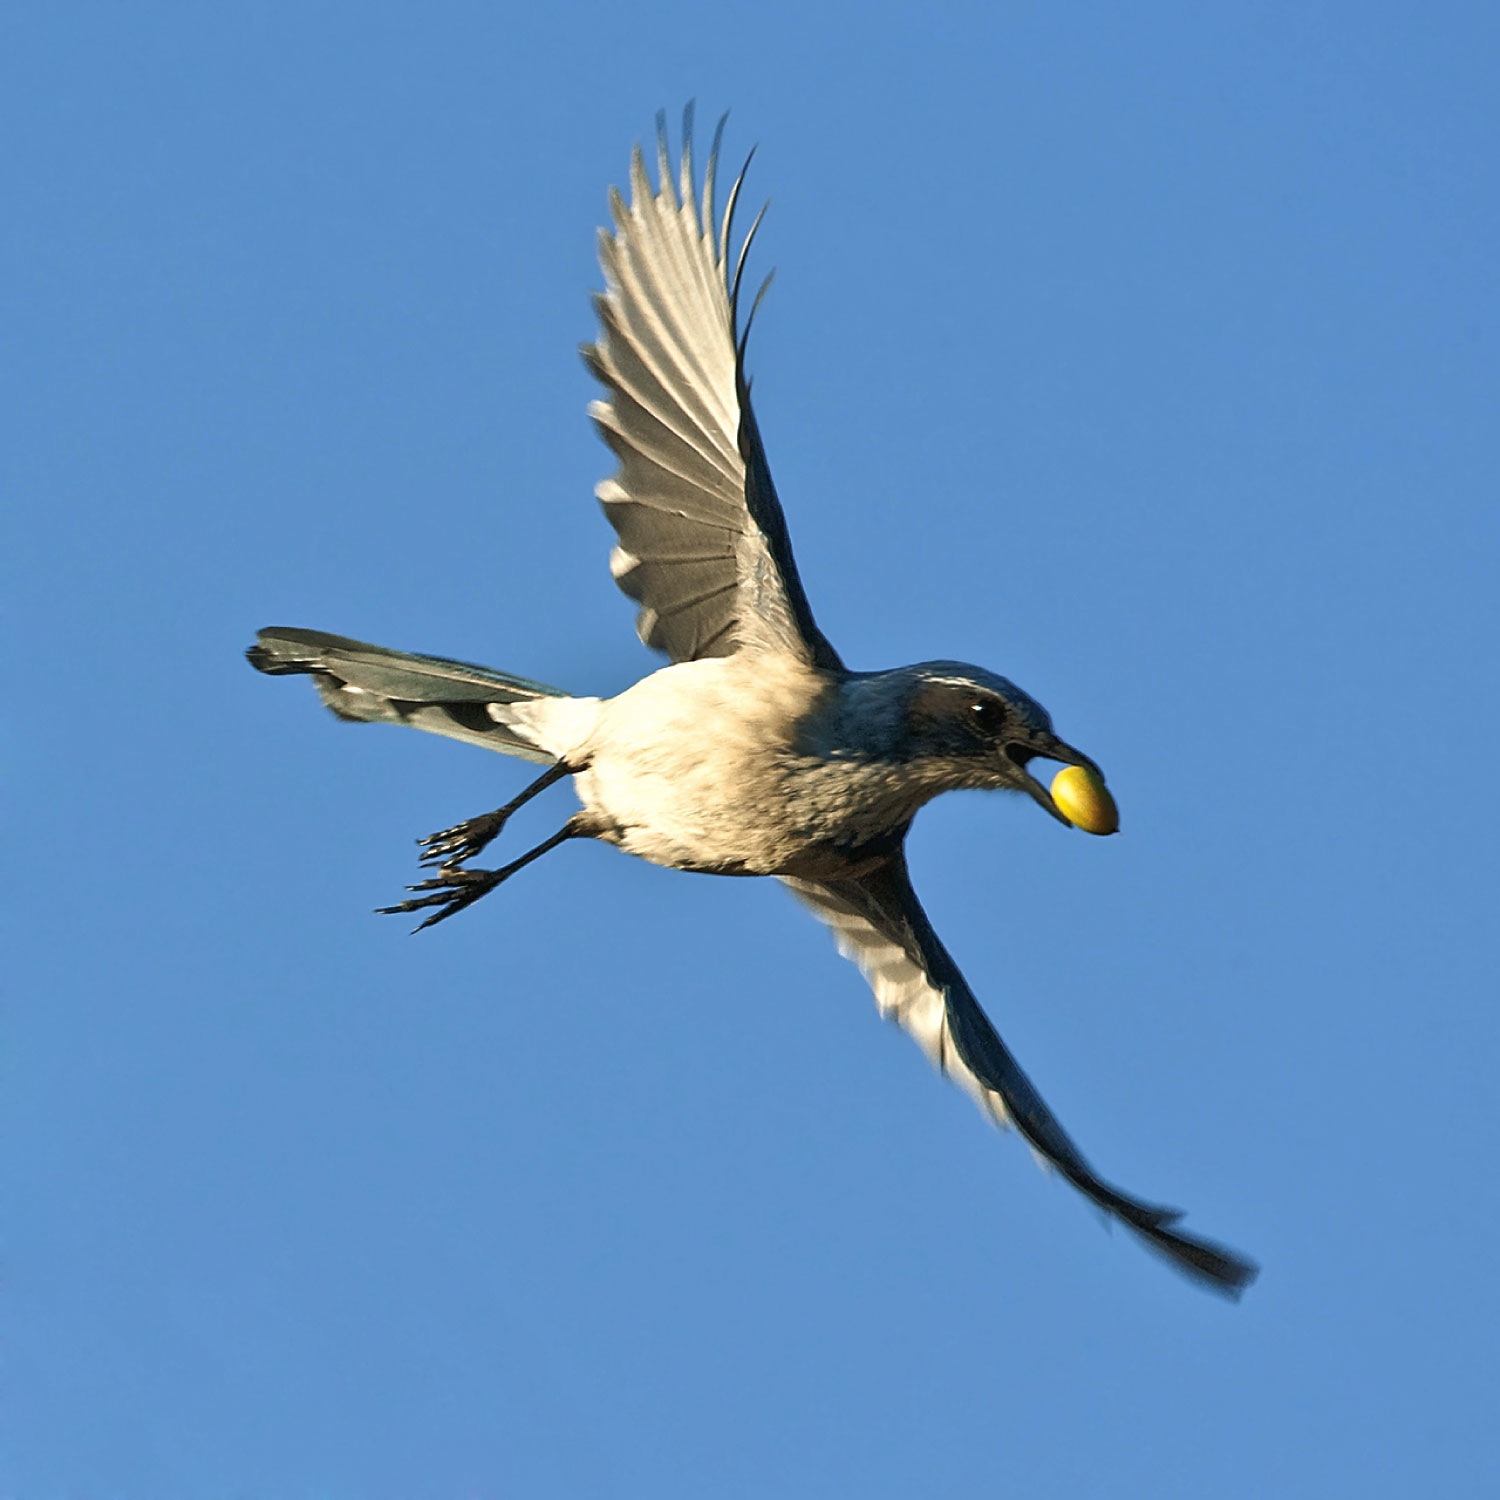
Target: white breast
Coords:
[(695, 766)]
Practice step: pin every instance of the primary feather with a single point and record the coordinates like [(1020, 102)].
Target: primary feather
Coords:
[(703, 543)]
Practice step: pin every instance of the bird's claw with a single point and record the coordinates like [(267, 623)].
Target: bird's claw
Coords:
[(450, 891), (452, 846)]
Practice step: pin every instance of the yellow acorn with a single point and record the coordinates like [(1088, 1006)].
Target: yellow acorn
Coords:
[(1084, 800)]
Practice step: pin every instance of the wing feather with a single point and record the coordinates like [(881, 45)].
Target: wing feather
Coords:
[(704, 548), (878, 922)]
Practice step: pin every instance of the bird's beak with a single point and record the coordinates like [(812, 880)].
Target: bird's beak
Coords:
[(1048, 747)]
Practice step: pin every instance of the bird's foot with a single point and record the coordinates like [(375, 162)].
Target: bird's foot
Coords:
[(463, 841), (450, 891), (454, 887)]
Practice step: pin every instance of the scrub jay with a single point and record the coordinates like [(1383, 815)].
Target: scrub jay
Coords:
[(756, 752)]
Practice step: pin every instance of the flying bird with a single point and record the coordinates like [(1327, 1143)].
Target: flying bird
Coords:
[(756, 751)]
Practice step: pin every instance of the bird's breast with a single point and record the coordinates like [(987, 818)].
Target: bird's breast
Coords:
[(731, 766)]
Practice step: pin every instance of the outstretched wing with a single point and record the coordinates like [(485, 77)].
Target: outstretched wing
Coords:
[(703, 543), (879, 923)]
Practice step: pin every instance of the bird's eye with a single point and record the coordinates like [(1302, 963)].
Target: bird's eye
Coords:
[(987, 715)]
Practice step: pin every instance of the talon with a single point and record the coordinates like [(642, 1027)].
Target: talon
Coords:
[(451, 846), (453, 888), (450, 891)]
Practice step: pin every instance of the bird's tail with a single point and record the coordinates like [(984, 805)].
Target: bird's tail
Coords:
[(371, 685)]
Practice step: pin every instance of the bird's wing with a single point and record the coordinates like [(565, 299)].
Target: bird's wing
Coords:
[(703, 547), (879, 923)]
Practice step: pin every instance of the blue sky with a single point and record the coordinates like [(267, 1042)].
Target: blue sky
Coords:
[(1146, 354)]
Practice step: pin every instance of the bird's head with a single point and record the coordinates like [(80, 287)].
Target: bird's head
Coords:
[(971, 728)]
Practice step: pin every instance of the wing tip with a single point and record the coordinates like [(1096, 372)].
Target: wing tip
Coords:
[(1213, 1266)]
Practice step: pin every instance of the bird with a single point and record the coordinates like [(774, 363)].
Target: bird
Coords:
[(754, 751)]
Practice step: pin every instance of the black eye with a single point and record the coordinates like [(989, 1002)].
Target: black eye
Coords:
[(988, 715)]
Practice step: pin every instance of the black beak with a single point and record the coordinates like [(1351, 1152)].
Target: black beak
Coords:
[(1049, 747)]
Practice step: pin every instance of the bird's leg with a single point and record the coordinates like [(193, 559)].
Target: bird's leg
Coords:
[(464, 840), (452, 888)]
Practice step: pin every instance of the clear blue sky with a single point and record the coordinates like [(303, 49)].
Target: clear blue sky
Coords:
[(1146, 354)]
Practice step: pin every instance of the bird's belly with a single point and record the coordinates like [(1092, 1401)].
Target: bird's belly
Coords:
[(777, 815)]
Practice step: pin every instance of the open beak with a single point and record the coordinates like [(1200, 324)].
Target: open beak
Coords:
[(1048, 747)]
